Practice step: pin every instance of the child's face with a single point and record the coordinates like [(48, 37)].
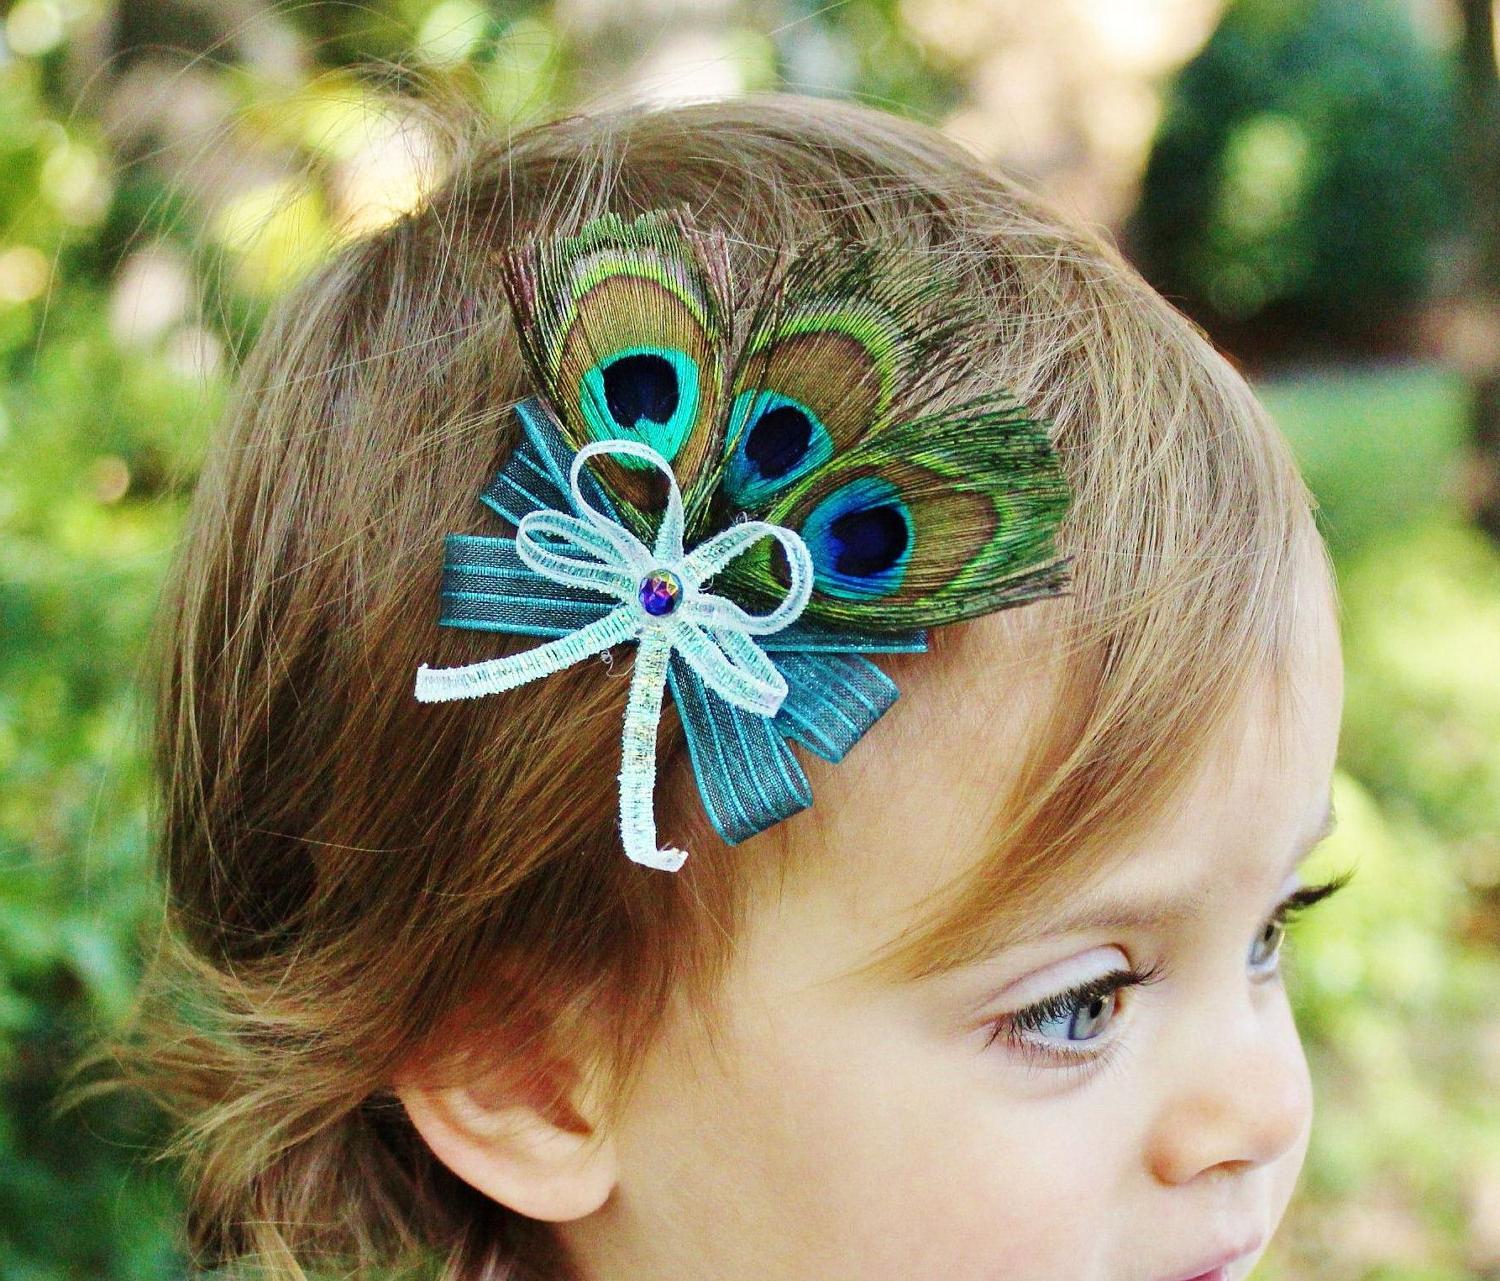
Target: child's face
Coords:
[(854, 1130)]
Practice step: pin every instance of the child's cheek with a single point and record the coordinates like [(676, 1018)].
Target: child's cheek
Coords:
[(886, 1155)]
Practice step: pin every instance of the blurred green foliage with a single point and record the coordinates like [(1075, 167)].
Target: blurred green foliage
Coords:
[(103, 419), (90, 435), (1303, 172), (1395, 980), (1404, 423)]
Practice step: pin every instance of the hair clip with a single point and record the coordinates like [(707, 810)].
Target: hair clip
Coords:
[(671, 482)]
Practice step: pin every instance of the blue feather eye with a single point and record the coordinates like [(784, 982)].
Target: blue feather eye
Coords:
[(640, 386), (782, 441), (646, 394), (860, 538)]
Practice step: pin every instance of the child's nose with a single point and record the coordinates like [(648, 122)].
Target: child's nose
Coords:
[(1236, 1094)]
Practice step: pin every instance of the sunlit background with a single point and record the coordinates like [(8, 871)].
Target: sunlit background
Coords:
[(1317, 182)]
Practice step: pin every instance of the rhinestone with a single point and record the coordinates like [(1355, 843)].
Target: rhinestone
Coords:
[(660, 592)]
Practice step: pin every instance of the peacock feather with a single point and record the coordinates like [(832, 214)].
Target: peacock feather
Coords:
[(626, 325)]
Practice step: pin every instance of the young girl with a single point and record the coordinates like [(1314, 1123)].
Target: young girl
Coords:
[(1002, 1002)]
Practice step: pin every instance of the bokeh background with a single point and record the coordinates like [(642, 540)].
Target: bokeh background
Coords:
[(1317, 182)]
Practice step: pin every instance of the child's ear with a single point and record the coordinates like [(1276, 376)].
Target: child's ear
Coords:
[(546, 1162)]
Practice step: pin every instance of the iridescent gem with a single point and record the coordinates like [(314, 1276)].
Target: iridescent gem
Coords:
[(660, 592)]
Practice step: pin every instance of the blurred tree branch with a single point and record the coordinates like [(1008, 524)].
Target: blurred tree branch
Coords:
[(1480, 104)]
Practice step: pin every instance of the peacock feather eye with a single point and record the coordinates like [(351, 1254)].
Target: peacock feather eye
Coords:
[(861, 539), (627, 327), (647, 394), (642, 385), (778, 441)]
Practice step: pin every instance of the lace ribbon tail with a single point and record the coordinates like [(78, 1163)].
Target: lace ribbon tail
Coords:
[(442, 684), (638, 753)]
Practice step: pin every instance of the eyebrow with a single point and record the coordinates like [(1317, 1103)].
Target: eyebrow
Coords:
[(1158, 911)]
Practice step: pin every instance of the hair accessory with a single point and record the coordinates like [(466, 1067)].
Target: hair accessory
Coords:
[(662, 606), (669, 477)]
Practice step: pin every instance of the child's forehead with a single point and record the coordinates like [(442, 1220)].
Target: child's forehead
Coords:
[(940, 766), (913, 814)]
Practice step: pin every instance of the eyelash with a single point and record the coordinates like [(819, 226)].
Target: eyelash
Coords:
[(1014, 1027)]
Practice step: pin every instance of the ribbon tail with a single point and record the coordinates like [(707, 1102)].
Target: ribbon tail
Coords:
[(638, 753), (832, 700), (442, 684), (747, 776)]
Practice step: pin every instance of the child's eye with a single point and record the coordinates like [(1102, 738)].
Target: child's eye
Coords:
[(1075, 1016), (1078, 1015), (1266, 950), (1274, 930)]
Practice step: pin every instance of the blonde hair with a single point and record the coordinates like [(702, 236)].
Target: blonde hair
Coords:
[(355, 878)]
